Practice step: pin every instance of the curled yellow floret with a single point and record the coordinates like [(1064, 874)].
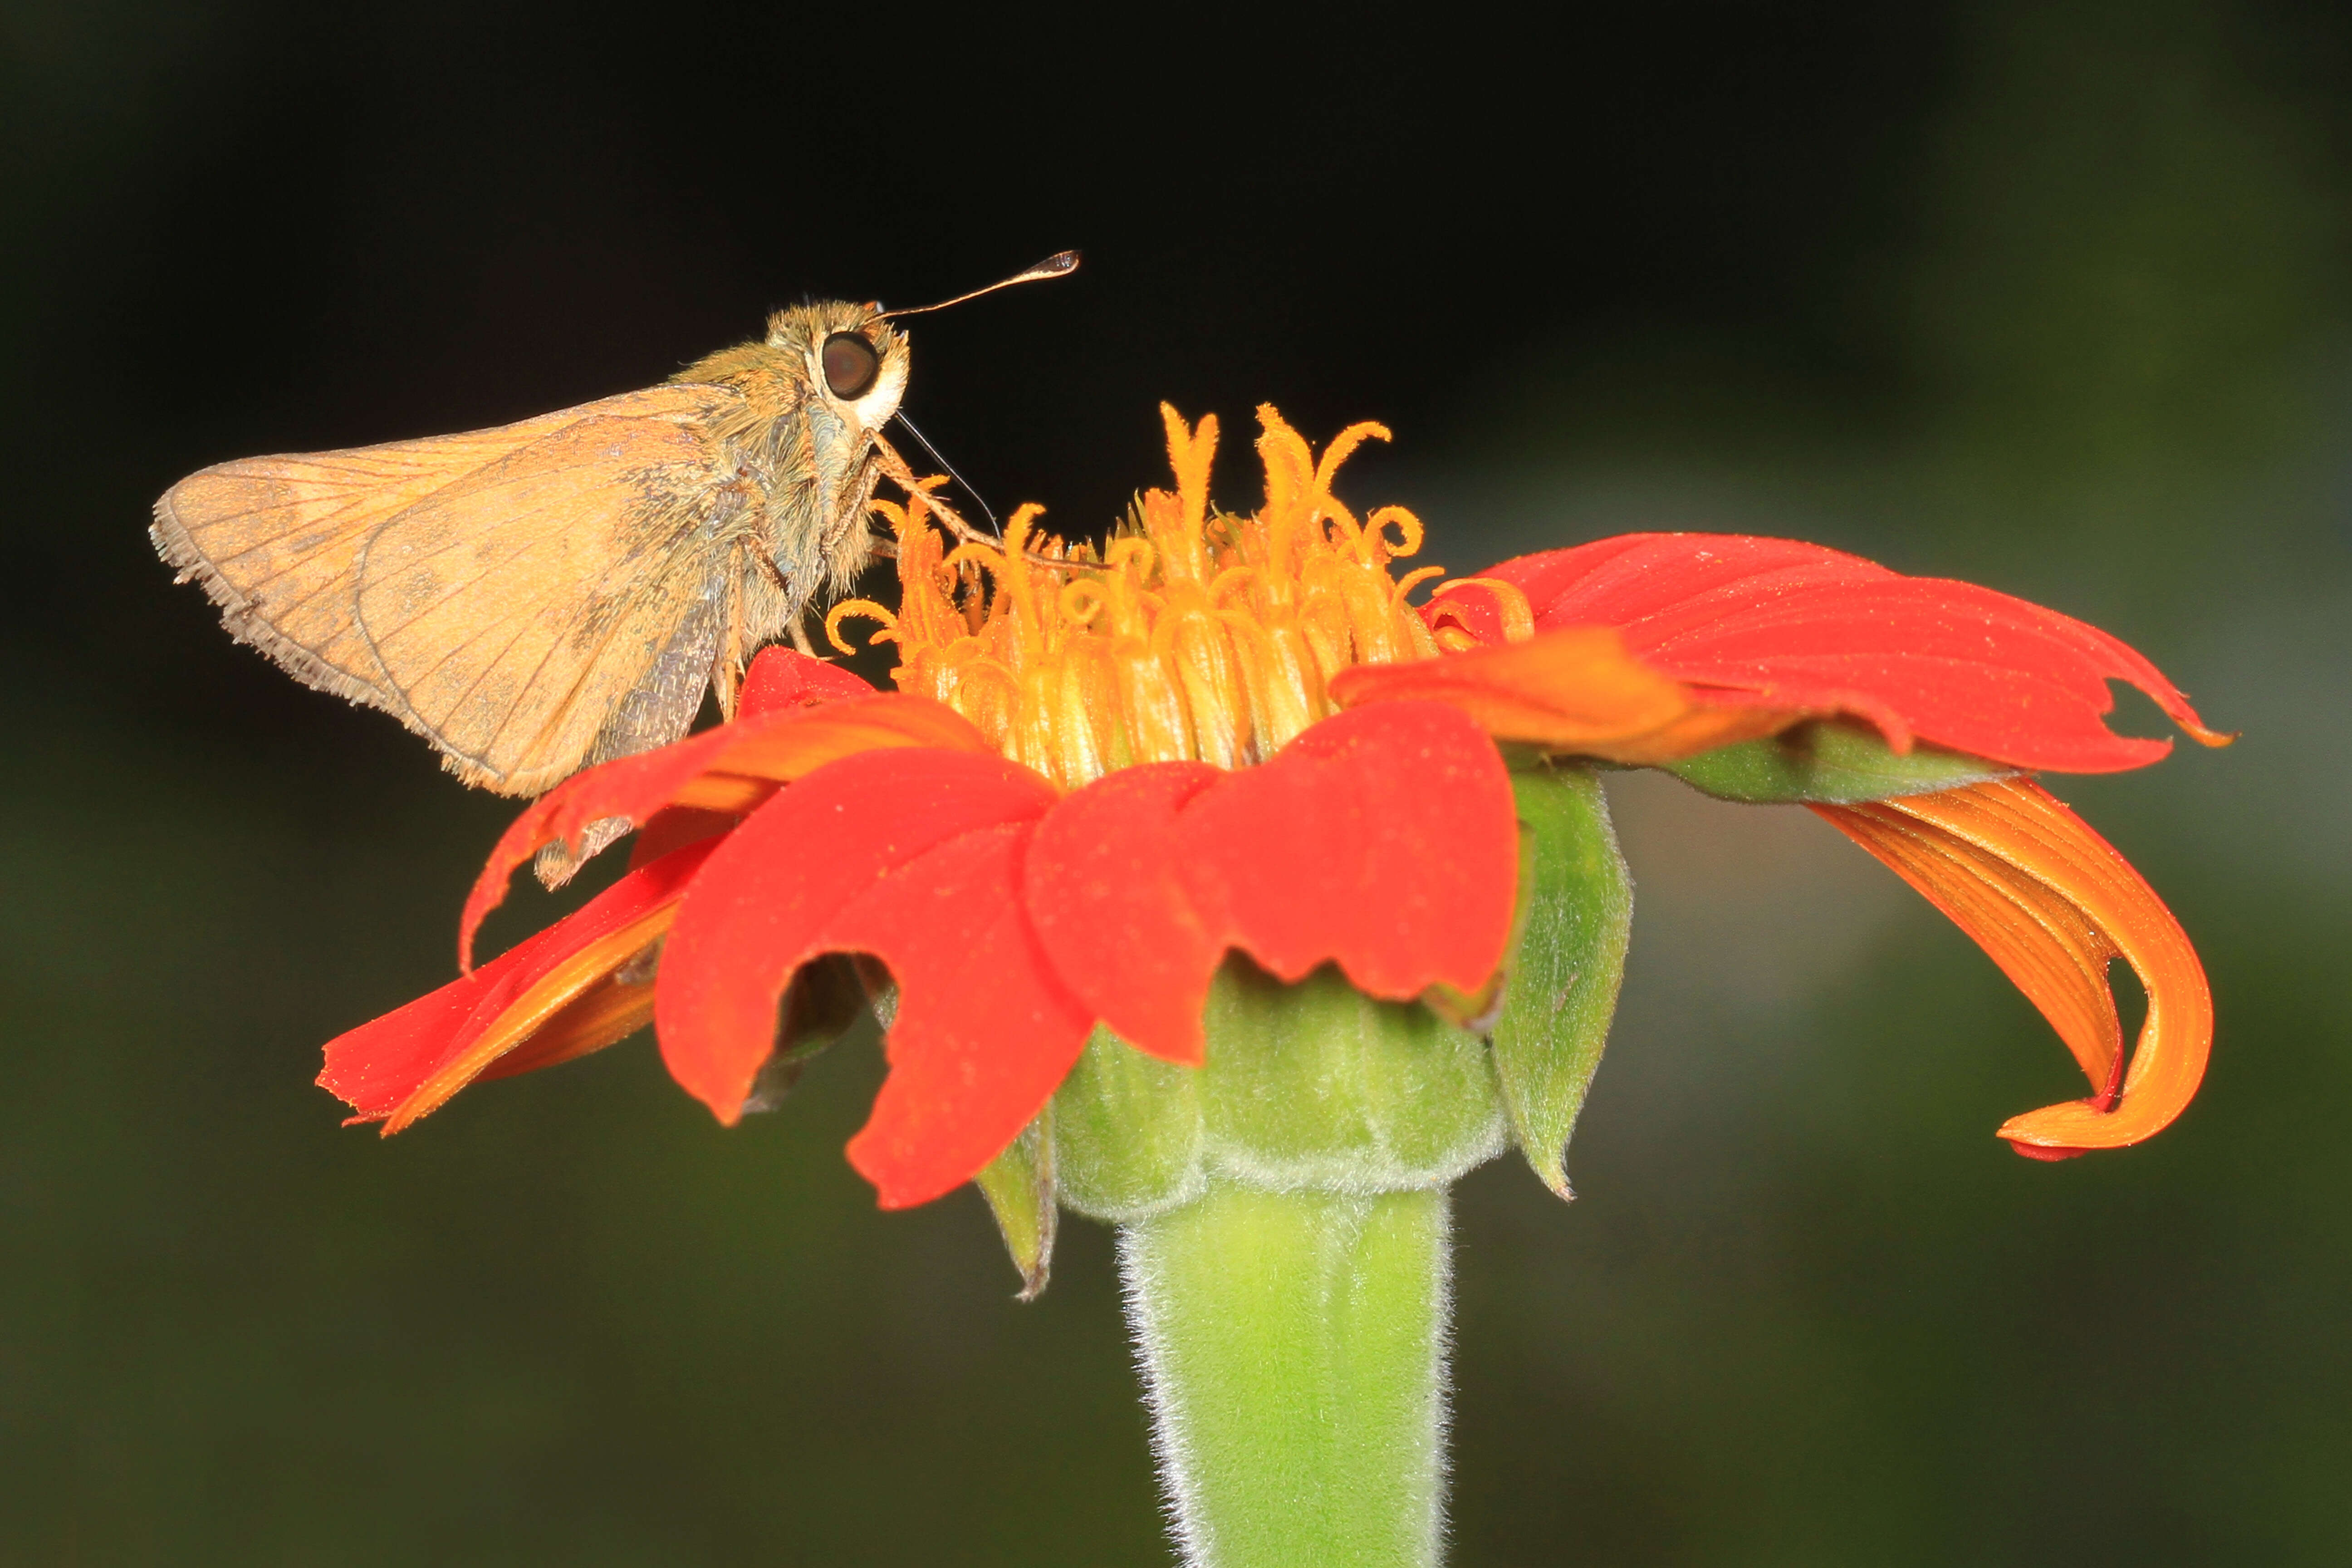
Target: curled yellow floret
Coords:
[(1191, 634)]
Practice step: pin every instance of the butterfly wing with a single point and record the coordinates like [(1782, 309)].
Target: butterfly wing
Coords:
[(567, 591), (530, 598)]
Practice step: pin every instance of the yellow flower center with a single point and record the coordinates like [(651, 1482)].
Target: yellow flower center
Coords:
[(1191, 634)]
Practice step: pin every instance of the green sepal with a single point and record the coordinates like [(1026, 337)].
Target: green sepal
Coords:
[(1127, 1133), (1308, 1086), (1576, 915), (1831, 761), (1318, 1086), (1019, 1187)]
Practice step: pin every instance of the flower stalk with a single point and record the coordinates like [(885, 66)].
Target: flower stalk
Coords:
[(1283, 1235), (1293, 1350)]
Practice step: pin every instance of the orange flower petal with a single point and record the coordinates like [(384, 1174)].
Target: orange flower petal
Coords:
[(675, 827), (2053, 902), (550, 997), (1575, 689), (984, 1034), (1104, 886), (1385, 841), (605, 1013), (786, 678)]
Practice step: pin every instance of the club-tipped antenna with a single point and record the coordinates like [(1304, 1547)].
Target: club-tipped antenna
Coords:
[(978, 499), (1057, 266)]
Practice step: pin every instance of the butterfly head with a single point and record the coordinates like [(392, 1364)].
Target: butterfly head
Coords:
[(856, 361)]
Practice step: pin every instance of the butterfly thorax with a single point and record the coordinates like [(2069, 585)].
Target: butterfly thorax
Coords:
[(802, 454)]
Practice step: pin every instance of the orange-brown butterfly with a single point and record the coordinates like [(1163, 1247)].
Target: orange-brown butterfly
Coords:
[(546, 595)]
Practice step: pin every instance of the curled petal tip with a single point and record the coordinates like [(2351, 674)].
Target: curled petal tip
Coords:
[(2049, 1153), (2213, 738)]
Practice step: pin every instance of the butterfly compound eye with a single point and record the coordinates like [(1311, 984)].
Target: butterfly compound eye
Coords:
[(850, 365)]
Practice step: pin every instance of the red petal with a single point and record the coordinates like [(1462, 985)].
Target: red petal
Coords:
[(1801, 627), (731, 768), (985, 1033), (1384, 839), (765, 904), (407, 1062), (674, 828), (786, 678), (1103, 890)]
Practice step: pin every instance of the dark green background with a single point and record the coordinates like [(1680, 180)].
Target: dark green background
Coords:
[(2053, 296)]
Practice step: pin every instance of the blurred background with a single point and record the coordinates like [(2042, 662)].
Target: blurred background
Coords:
[(2051, 295)]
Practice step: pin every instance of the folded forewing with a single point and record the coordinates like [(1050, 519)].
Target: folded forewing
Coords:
[(567, 589)]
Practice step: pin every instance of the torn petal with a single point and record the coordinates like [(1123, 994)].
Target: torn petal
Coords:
[(1384, 839), (768, 901), (1779, 623), (985, 1031)]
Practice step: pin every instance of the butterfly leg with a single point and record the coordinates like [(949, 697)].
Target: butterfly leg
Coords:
[(895, 467), (726, 671), (794, 623)]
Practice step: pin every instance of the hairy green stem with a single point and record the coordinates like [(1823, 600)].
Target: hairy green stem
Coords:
[(1294, 1354)]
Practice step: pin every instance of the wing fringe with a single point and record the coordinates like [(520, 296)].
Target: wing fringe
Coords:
[(246, 624)]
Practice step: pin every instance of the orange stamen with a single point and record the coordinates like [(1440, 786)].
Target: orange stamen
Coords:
[(1192, 635), (1415, 578), (2053, 903), (866, 609), (1410, 532)]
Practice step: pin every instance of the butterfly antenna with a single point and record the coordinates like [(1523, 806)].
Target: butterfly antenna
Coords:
[(978, 499), (1057, 266)]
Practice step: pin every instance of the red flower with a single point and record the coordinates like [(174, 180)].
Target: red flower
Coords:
[(1232, 734), (1014, 916)]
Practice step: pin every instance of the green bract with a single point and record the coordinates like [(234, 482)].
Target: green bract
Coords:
[(1831, 761), (1308, 1086), (1576, 915)]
